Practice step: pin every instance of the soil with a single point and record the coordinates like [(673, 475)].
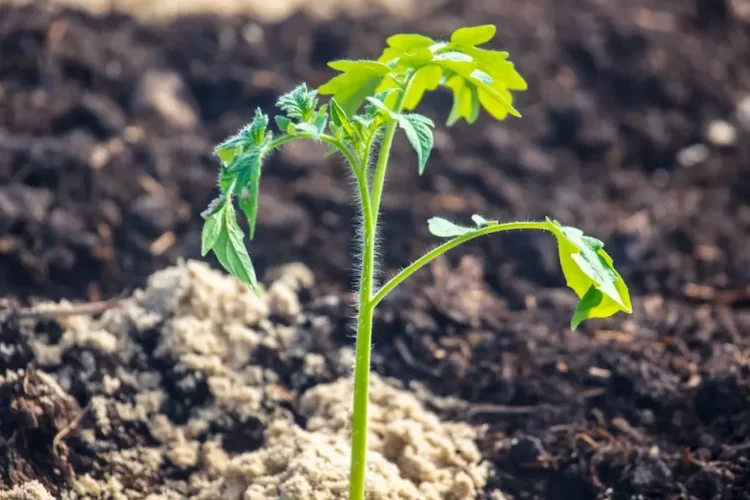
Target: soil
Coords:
[(635, 129)]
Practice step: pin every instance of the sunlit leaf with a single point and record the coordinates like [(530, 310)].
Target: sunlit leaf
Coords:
[(585, 264), (455, 62), (405, 42), (358, 80), (496, 65), (453, 56), (473, 35), (465, 101), (426, 78)]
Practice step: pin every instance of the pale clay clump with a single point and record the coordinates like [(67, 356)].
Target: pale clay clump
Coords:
[(213, 327)]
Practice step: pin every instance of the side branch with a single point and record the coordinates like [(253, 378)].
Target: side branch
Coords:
[(440, 250)]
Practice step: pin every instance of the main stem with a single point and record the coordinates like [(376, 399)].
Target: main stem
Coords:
[(371, 209)]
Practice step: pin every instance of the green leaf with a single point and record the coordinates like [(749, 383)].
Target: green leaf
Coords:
[(248, 186), (587, 306), (480, 75), (257, 128), (234, 145), (473, 35), (443, 228), (340, 120), (418, 130), (379, 108), (226, 153), (211, 231), (480, 221), (284, 123), (321, 120), (230, 249), (405, 42), (495, 63), (455, 62), (465, 101), (300, 103), (496, 99), (453, 56), (585, 264), (358, 80), (310, 128), (426, 78)]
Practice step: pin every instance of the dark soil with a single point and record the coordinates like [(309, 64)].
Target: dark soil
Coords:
[(103, 175)]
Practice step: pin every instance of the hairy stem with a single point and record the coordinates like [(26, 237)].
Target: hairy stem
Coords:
[(448, 245), (358, 470), (329, 139), (385, 152), (371, 210)]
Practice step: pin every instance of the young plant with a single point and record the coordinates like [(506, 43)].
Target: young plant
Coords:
[(370, 101)]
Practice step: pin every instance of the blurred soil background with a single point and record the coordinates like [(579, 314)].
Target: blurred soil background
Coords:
[(635, 129)]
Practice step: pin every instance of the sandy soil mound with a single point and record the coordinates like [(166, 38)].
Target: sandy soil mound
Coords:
[(185, 397)]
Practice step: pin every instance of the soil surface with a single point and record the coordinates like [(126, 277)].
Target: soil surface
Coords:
[(636, 128)]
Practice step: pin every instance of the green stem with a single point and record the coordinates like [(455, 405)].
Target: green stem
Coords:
[(364, 317), (382, 167), (440, 250), (358, 469), (350, 157), (371, 210)]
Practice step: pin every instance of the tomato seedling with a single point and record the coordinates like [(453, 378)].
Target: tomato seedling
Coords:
[(370, 101)]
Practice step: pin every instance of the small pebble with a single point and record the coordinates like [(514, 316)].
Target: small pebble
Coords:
[(693, 155), (721, 133)]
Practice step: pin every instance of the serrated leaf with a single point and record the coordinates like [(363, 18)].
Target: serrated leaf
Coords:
[(320, 121), (233, 146), (473, 35), (310, 128), (340, 120), (358, 80), (284, 123), (211, 231), (443, 228), (230, 249), (585, 264), (257, 129), (247, 188), (300, 103), (418, 130)]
